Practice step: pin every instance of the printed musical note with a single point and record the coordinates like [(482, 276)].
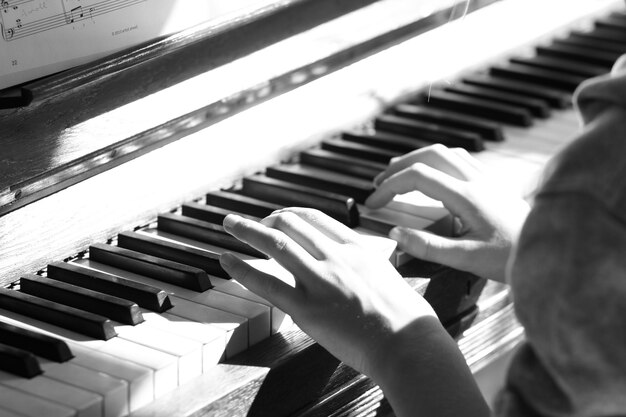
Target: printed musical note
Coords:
[(76, 13), (8, 34)]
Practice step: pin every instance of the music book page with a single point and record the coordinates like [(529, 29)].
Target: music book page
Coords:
[(41, 37)]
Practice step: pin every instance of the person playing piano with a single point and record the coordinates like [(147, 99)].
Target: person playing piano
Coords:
[(564, 259)]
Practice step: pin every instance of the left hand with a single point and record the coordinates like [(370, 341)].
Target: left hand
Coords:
[(348, 298)]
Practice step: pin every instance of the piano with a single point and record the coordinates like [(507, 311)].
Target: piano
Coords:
[(115, 175)]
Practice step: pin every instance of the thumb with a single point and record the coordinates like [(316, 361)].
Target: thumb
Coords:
[(431, 247)]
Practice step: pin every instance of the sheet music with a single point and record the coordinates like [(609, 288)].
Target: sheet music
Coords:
[(40, 37)]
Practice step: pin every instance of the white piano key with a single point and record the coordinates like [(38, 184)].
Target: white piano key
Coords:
[(213, 340), (28, 405), (86, 403), (140, 379), (258, 315), (188, 352), (163, 366), (114, 392), (234, 326)]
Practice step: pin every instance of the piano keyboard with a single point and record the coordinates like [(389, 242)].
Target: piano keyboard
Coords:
[(114, 329)]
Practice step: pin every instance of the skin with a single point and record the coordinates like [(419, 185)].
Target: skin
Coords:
[(355, 304)]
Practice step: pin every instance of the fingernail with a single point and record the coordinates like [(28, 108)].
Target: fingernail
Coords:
[(395, 234), (230, 220)]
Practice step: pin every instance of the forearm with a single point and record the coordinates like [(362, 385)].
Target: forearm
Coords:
[(425, 374)]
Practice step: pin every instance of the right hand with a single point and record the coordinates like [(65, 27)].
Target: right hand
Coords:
[(488, 217)]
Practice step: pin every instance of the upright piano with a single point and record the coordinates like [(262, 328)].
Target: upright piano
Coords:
[(115, 176)]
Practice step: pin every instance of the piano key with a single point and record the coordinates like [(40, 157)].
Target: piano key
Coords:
[(579, 53), (483, 108), (148, 297), (601, 34), (83, 299), (431, 132), (131, 357), (582, 39), (34, 342), (213, 339), (561, 64), (157, 268), (164, 270), (386, 140), (486, 129), (150, 245), (539, 76), (358, 150), (139, 379), (384, 219), (241, 203), (339, 207), (257, 315), (342, 163), (113, 391), (233, 326), (555, 98), (18, 361), (334, 182), (210, 214), (80, 321), (187, 351), (536, 107), (614, 22), (204, 232), (86, 403), (28, 405)]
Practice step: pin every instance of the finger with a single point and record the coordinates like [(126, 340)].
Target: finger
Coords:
[(477, 167), (264, 285), (437, 156), (431, 247), (430, 181), (271, 242), (330, 227), (300, 231)]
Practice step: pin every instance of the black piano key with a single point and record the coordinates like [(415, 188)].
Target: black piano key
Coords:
[(582, 39), (37, 343), (386, 140), (210, 214), (150, 266), (356, 188), (483, 108), (18, 362), (177, 252), (555, 98), (536, 107), (340, 207), (562, 65), (70, 318), (204, 232), (539, 76), (151, 298), (486, 129), (579, 53), (342, 163), (611, 22), (241, 203), (432, 132), (105, 305), (358, 150), (601, 34)]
